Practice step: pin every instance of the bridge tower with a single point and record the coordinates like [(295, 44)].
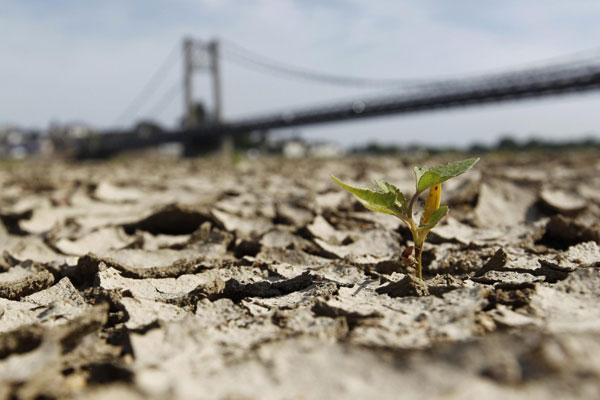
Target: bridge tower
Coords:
[(201, 56)]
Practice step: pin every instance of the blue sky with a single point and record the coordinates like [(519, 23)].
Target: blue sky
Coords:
[(70, 60)]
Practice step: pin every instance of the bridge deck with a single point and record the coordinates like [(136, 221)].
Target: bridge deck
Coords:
[(458, 94)]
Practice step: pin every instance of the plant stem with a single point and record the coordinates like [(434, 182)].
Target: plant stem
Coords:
[(412, 203), (419, 252), (417, 239)]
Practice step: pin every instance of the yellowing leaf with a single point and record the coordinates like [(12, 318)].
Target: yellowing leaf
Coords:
[(432, 203)]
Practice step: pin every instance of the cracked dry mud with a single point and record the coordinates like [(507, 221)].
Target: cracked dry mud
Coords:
[(158, 278)]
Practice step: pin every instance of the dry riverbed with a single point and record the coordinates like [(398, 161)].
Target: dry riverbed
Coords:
[(156, 278)]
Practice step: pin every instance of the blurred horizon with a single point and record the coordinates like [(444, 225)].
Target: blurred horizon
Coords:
[(85, 63)]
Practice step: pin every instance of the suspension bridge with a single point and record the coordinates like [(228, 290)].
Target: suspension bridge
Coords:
[(569, 76)]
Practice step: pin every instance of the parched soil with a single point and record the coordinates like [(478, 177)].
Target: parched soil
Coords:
[(155, 278)]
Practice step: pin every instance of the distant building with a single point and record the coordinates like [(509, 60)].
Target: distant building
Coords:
[(296, 147), (18, 143)]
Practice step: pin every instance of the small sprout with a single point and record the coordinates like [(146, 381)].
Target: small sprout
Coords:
[(388, 199)]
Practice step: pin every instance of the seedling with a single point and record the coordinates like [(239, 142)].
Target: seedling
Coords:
[(389, 200)]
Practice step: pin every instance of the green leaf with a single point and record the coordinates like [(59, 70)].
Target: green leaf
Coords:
[(388, 187), (436, 217), (430, 176), (374, 200)]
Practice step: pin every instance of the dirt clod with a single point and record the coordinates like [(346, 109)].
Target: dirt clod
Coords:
[(562, 232), (407, 286), (236, 291), (496, 263), (14, 290)]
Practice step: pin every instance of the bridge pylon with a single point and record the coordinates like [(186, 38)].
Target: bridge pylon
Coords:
[(201, 56)]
